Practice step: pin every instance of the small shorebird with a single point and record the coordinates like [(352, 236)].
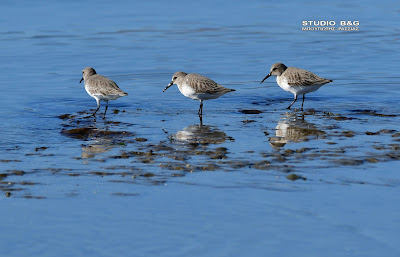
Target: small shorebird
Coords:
[(197, 87), (100, 88), (296, 81)]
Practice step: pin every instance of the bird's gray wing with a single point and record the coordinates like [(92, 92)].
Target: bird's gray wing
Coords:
[(204, 85), (104, 86), (299, 77)]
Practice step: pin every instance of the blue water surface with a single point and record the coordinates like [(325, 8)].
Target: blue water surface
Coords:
[(166, 184)]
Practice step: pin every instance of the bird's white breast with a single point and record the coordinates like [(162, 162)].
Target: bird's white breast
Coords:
[(188, 91), (87, 89), (99, 96), (283, 83), (297, 90)]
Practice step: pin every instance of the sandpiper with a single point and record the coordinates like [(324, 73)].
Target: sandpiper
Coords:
[(197, 87), (100, 88), (296, 81)]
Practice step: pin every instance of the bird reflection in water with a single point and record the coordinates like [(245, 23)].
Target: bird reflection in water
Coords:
[(294, 128), (95, 147), (98, 140), (201, 134)]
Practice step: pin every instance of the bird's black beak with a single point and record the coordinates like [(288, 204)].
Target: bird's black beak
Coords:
[(169, 85), (81, 80), (269, 75)]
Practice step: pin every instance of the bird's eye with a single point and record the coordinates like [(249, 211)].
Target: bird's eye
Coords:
[(175, 78), (274, 69)]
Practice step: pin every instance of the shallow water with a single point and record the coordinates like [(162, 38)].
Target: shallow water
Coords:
[(251, 178)]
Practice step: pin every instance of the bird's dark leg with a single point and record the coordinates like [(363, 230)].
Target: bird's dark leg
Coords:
[(295, 99), (304, 97), (98, 107), (200, 112), (105, 110)]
